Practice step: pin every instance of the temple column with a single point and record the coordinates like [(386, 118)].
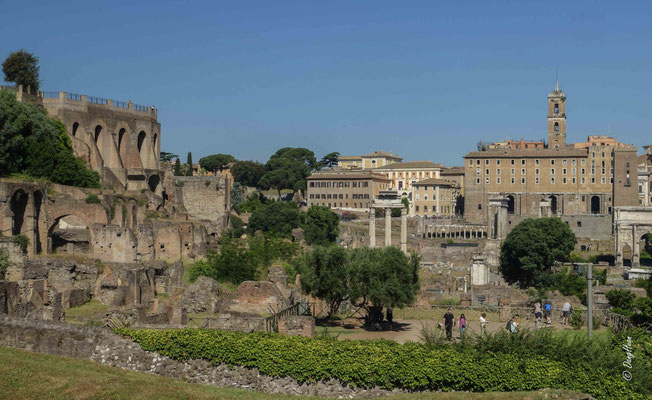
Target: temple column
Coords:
[(388, 227), (636, 249), (404, 230), (372, 227)]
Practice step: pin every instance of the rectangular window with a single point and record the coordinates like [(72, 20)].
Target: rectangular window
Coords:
[(417, 208), (593, 179), (552, 171), (522, 162), (498, 171), (523, 180), (497, 162), (563, 171), (486, 162), (486, 180), (574, 180), (486, 171), (522, 171), (536, 162), (552, 162), (536, 180), (564, 180), (536, 171), (552, 180), (470, 163), (583, 180), (477, 171), (513, 180), (477, 180), (574, 171), (513, 171), (512, 161), (416, 197), (477, 162), (604, 180), (584, 161), (574, 161), (498, 181), (604, 171), (564, 162), (425, 197)]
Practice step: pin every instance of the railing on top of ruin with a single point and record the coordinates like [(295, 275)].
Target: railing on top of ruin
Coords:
[(300, 308), (97, 100), (121, 104), (50, 95), (138, 107), (73, 96)]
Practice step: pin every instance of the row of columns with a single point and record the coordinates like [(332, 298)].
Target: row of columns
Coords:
[(457, 232), (388, 228)]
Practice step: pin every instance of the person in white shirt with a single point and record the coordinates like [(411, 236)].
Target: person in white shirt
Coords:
[(565, 312), (483, 322)]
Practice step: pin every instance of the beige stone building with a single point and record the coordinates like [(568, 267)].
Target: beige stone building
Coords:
[(404, 174), (454, 174), (376, 159), (345, 189), (567, 180), (434, 198)]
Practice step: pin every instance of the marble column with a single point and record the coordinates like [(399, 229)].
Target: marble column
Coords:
[(636, 249), (404, 230), (388, 227), (372, 227)]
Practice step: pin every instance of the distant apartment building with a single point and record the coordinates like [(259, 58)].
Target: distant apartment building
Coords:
[(590, 178), (352, 190), (454, 174), (518, 145), (434, 198), (376, 159), (404, 174)]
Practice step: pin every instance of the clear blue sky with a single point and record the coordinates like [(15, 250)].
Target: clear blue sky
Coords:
[(425, 79)]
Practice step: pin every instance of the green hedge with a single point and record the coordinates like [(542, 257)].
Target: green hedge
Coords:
[(382, 363)]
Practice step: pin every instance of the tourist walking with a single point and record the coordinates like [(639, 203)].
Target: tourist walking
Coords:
[(547, 310), (462, 324), (537, 314), (565, 312), (513, 327), (390, 316), (483, 323), (449, 320)]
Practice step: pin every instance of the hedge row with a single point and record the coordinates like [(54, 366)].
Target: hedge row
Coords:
[(382, 363)]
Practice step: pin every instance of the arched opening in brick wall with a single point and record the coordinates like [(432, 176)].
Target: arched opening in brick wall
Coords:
[(645, 246), (17, 205), (141, 139), (75, 127), (38, 201), (595, 205), (70, 235), (121, 135), (98, 132)]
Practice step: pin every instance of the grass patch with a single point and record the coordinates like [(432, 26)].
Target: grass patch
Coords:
[(27, 375), (93, 308)]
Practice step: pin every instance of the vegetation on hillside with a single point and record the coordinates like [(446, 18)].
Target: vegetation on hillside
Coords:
[(33, 144)]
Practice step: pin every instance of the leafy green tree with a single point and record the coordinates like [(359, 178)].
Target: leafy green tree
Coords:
[(248, 173), (288, 169), (532, 247), (329, 160), (253, 202), (233, 263), (166, 157), (621, 298), (189, 164), (215, 162), (276, 218), (325, 274), (383, 277), (178, 171), (320, 225), (237, 196), (39, 146), (22, 68)]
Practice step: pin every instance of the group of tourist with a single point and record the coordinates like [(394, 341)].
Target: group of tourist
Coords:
[(566, 309), (449, 323)]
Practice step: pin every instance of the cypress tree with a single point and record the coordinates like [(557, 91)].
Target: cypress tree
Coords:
[(189, 165)]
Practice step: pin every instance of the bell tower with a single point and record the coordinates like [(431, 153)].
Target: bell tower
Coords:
[(556, 118)]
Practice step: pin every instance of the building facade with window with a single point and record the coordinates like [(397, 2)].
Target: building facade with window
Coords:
[(572, 180), (345, 189), (434, 198), (404, 174), (372, 160), (645, 177)]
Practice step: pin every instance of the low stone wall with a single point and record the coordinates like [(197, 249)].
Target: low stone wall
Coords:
[(296, 325), (103, 346)]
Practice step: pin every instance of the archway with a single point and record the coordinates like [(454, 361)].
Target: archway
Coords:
[(98, 131), (153, 182), (121, 134), (38, 200), (17, 205), (553, 204), (510, 204), (645, 246), (75, 126), (627, 255), (141, 139), (595, 205), (69, 234)]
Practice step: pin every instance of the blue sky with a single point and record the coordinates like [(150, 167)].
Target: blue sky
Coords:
[(424, 79)]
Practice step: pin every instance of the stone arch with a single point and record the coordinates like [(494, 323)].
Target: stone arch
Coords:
[(626, 254), (97, 133), (18, 205), (75, 127), (121, 134), (141, 139), (595, 204), (153, 182), (511, 204), (69, 234), (38, 202), (553, 204)]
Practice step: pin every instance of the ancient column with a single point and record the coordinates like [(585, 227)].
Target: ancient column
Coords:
[(388, 227), (636, 249), (404, 230), (372, 227)]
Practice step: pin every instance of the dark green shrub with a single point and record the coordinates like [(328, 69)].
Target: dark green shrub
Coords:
[(92, 199), (22, 241), (621, 298), (386, 364), (4, 264)]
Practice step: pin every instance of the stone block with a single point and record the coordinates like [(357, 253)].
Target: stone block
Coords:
[(297, 325)]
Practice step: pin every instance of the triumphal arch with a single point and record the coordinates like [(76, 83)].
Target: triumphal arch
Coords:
[(631, 224)]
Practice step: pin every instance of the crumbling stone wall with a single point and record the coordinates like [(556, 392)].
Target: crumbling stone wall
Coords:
[(205, 198), (297, 325)]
